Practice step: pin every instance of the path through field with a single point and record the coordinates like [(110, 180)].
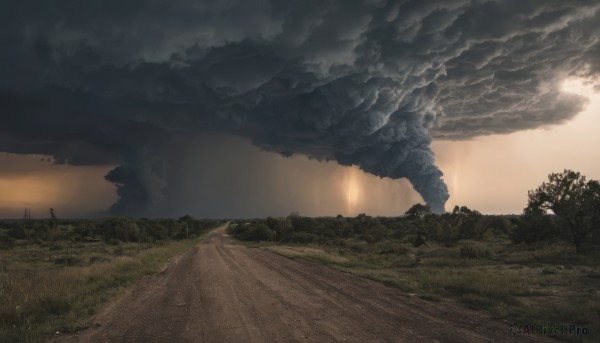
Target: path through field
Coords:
[(221, 292)]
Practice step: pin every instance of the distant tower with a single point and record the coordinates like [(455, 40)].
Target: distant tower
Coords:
[(27, 215), (54, 222)]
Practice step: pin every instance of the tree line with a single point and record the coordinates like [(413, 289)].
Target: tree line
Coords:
[(566, 207), (109, 230)]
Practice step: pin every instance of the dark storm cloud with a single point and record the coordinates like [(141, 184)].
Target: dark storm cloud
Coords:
[(363, 83)]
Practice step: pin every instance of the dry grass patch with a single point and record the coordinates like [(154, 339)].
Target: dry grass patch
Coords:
[(309, 253), (40, 298)]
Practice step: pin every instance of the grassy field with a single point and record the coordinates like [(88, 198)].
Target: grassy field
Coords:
[(541, 285), (45, 288)]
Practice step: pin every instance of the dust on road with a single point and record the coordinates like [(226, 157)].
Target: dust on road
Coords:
[(222, 292)]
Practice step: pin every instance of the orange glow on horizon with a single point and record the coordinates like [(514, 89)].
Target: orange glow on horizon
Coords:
[(28, 182), (27, 191)]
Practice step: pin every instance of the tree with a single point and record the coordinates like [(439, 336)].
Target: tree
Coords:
[(258, 232), (305, 224), (464, 212), (126, 229), (467, 222), (155, 230), (532, 228), (281, 228), (574, 200), (418, 211)]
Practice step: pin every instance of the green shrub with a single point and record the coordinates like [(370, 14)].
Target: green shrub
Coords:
[(259, 232)]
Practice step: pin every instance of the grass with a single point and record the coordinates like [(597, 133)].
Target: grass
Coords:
[(45, 289), (308, 253), (547, 284)]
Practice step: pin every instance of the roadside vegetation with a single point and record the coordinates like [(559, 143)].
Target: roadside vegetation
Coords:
[(542, 267), (55, 274)]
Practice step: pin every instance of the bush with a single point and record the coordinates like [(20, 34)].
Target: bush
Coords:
[(305, 224), (118, 250), (337, 242), (41, 230), (302, 237), (263, 233), (415, 240), (6, 242), (390, 247), (259, 232), (358, 247), (376, 233), (472, 253), (98, 259), (419, 240), (17, 232), (68, 261), (56, 246), (235, 229), (534, 228), (329, 233)]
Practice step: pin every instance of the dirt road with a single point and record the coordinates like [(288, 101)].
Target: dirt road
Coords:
[(221, 292)]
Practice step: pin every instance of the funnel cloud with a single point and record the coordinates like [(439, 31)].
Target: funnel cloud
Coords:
[(366, 83)]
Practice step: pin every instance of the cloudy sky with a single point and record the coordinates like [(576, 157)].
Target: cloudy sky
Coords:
[(255, 108)]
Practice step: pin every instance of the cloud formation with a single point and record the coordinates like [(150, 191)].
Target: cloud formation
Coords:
[(365, 83)]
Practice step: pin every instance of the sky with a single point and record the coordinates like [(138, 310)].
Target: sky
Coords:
[(493, 173), (257, 108)]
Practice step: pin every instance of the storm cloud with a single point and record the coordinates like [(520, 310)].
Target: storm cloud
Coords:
[(367, 83)]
